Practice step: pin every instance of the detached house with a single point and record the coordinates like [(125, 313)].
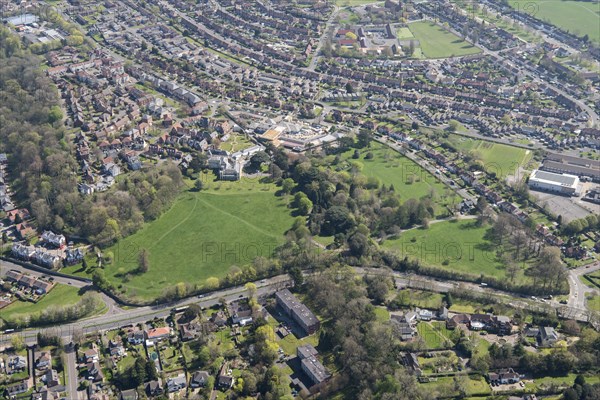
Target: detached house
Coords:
[(547, 336), (53, 239)]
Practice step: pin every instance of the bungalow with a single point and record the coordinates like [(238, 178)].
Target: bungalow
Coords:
[(158, 333), (189, 331), (17, 388), (41, 287), (13, 276), (177, 383), (199, 379)]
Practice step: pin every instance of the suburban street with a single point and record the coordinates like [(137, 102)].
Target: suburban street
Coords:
[(579, 290)]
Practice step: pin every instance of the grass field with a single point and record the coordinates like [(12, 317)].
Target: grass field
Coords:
[(446, 386), (404, 33), (409, 179), (460, 243), (577, 17), (202, 235), (502, 159), (593, 303), (61, 295), (436, 42)]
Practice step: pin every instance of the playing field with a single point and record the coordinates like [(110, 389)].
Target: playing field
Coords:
[(436, 42), (404, 33), (502, 159), (61, 295), (458, 244), (577, 17), (202, 235), (409, 179)]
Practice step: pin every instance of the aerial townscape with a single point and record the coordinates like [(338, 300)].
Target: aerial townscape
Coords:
[(299, 199)]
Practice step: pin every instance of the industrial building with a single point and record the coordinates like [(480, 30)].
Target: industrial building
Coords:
[(562, 164), (556, 183)]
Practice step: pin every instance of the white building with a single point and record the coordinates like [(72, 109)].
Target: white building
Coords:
[(557, 183)]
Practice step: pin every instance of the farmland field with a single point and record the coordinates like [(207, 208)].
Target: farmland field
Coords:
[(502, 159), (202, 236), (436, 42), (577, 17)]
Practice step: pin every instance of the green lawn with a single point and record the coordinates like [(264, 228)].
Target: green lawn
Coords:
[(419, 298), (436, 42), (577, 17), (446, 386), (502, 159), (404, 33), (290, 343), (433, 340), (593, 303), (392, 168), (61, 295), (382, 314), (451, 245), (202, 235), (561, 381)]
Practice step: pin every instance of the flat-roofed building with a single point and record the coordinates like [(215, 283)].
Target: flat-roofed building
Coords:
[(298, 311), (557, 183)]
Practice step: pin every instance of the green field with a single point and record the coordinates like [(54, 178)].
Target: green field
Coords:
[(447, 386), (409, 179), (202, 235), (404, 33), (502, 159), (460, 243), (61, 295), (577, 17), (436, 42)]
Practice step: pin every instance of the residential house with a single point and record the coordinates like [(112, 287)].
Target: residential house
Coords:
[(51, 378), (158, 334), (504, 377), (456, 320), (41, 287), (177, 383), (219, 319), (135, 337), (53, 239), (153, 388), (43, 361), (115, 347), (225, 380), (91, 355), (94, 372), (547, 336), (130, 394), (189, 331), (199, 379), (16, 364), (411, 361), (17, 388)]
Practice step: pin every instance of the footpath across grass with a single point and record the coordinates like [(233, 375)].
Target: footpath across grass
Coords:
[(203, 235)]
